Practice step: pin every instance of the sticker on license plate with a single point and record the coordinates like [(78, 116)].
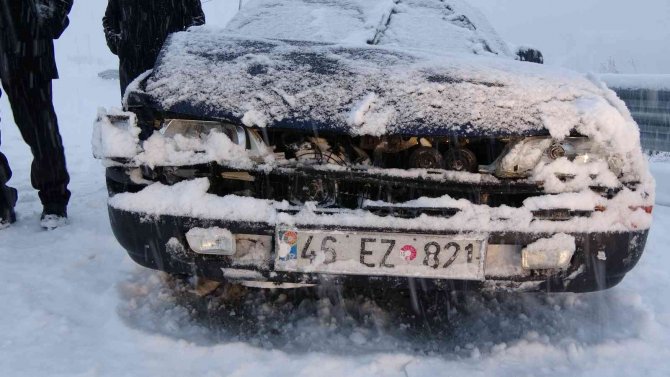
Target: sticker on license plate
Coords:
[(458, 257)]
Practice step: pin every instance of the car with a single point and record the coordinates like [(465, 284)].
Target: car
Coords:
[(373, 143)]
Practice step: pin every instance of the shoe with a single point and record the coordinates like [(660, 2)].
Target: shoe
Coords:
[(8, 197), (53, 217), (7, 218)]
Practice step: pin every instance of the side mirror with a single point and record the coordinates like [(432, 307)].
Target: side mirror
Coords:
[(528, 54)]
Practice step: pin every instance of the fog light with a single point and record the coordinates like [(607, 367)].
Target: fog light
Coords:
[(553, 253), (211, 241)]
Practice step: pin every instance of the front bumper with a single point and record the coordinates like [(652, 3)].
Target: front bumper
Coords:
[(159, 242)]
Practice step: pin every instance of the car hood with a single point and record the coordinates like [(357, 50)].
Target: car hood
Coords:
[(368, 90)]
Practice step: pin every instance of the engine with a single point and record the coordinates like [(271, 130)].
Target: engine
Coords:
[(366, 152)]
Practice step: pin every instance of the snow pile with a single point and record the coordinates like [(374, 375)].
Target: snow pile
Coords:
[(191, 199), (573, 201), (180, 150), (559, 241), (115, 139), (443, 202), (563, 175)]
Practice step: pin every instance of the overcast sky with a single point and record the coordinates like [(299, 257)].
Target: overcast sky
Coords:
[(589, 34)]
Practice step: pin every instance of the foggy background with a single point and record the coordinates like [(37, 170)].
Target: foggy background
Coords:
[(603, 36)]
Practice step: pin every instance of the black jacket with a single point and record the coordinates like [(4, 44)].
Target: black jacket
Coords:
[(137, 29), (27, 31)]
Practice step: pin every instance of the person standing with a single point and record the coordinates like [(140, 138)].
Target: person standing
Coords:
[(27, 68), (136, 30)]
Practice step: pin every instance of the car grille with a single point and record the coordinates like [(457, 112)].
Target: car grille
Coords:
[(349, 188)]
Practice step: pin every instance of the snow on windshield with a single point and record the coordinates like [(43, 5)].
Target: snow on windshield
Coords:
[(451, 25), (353, 21)]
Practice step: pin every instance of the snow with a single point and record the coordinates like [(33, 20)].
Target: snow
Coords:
[(254, 118), (442, 25), (115, 139), (191, 199), (134, 85), (180, 150), (391, 90), (349, 20), (581, 201), (443, 202), (590, 174), (555, 252), (73, 303)]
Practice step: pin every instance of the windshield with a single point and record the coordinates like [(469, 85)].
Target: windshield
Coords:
[(448, 26)]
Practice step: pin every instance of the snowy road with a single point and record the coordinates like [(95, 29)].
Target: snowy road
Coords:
[(73, 304)]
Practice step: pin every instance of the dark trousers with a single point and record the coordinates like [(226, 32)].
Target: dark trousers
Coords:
[(31, 102), (132, 65)]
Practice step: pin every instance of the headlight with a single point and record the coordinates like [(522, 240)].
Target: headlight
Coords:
[(199, 128), (521, 157), (247, 138)]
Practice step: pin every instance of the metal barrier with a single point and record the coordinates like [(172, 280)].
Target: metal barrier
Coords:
[(651, 110)]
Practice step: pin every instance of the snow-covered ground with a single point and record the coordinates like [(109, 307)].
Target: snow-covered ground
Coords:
[(73, 304)]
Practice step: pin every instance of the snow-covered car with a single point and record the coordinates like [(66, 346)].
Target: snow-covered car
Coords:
[(374, 143)]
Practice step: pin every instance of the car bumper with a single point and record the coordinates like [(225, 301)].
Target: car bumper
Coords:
[(601, 260)]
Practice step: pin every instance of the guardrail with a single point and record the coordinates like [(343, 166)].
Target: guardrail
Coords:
[(648, 98), (651, 110)]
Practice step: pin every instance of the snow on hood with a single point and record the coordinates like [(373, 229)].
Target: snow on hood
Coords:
[(369, 90)]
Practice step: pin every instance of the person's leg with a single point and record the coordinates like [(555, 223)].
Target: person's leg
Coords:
[(8, 194), (124, 75), (132, 66), (31, 102)]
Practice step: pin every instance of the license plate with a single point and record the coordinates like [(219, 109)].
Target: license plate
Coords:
[(458, 257)]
